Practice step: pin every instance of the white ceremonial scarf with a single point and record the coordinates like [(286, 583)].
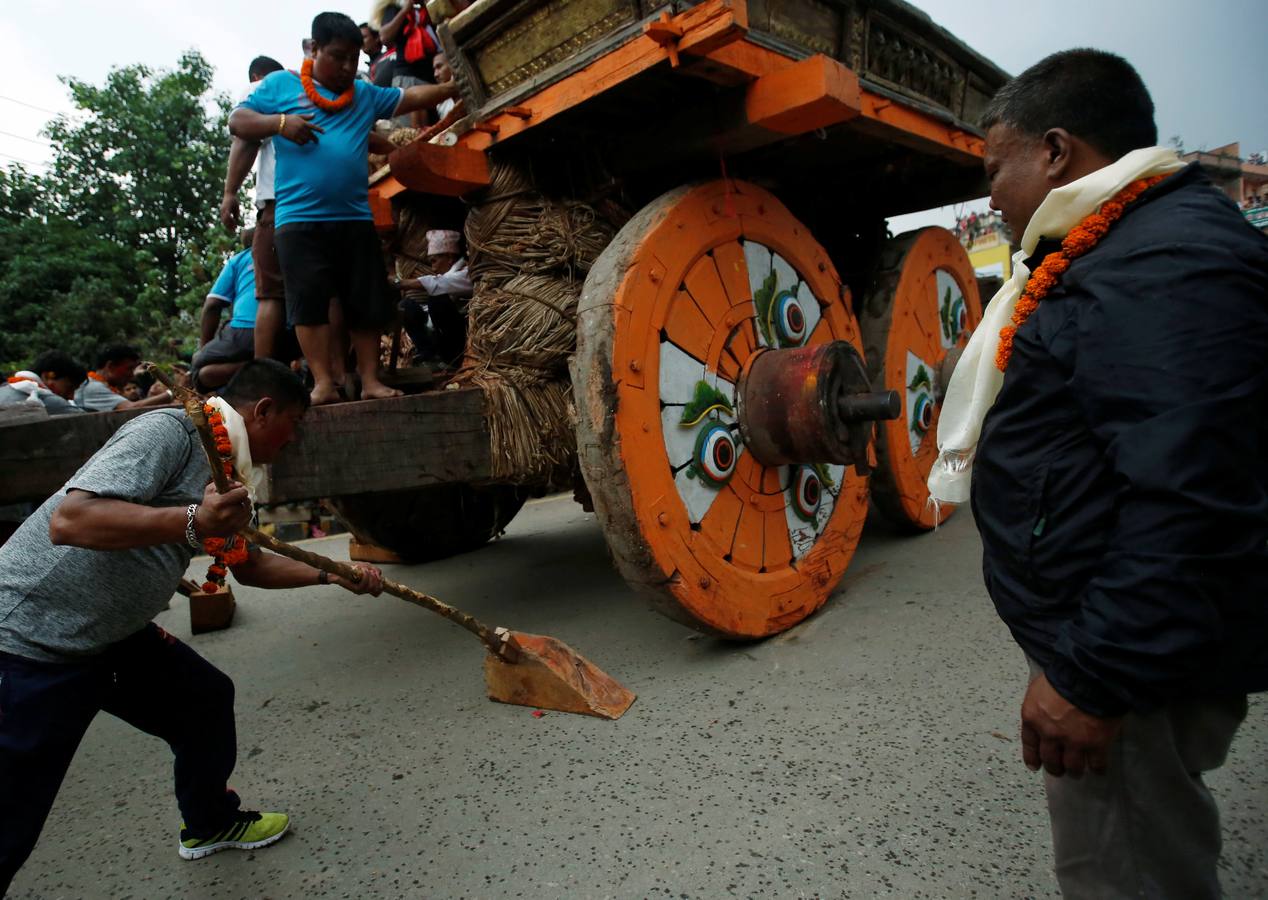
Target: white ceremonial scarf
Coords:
[(33, 387), (250, 476), (976, 380)]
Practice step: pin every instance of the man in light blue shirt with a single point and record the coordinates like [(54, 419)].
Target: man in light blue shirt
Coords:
[(221, 354), (325, 237)]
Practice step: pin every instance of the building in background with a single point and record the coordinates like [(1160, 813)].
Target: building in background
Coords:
[(988, 241), (1245, 181)]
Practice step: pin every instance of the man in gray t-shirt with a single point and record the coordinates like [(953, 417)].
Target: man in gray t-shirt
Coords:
[(80, 581), (101, 392)]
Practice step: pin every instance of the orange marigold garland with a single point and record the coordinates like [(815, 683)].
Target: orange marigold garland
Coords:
[(342, 102), (224, 552), (100, 379), (1082, 238)]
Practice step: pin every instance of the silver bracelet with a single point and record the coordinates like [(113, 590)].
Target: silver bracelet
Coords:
[(191, 536)]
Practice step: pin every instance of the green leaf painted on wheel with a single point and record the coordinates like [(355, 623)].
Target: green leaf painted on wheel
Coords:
[(825, 477), (921, 380), (944, 313), (705, 398), (764, 297)]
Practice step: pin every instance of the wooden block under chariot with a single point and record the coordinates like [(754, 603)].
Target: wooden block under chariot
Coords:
[(211, 612), (359, 551)]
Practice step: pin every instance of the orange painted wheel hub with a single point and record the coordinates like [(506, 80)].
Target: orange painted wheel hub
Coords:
[(921, 309), (673, 312)]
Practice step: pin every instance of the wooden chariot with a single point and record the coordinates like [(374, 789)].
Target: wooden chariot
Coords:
[(757, 364)]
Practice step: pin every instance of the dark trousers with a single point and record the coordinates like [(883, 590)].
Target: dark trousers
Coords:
[(1148, 827), (449, 340), (149, 680)]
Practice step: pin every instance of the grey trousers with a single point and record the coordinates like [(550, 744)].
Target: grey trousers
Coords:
[(1148, 827)]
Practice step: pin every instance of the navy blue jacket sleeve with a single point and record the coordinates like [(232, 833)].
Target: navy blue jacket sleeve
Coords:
[(1168, 365)]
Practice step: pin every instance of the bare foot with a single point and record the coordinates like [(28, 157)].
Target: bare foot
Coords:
[(323, 394), (377, 390)]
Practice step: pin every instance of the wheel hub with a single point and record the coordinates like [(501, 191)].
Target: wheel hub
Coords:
[(809, 405)]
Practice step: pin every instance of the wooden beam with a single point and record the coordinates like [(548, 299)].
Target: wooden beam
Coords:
[(383, 445), (814, 93), (345, 448), (381, 194), (37, 458), (903, 121), (437, 169)]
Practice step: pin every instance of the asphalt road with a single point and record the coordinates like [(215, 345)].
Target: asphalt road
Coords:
[(868, 752)]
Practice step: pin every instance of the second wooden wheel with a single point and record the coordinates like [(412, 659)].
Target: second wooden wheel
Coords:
[(692, 289), (920, 311)]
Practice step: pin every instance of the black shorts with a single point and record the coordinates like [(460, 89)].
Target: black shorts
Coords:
[(230, 345), (344, 260)]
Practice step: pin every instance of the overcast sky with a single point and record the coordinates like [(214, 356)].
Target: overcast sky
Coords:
[(1204, 63)]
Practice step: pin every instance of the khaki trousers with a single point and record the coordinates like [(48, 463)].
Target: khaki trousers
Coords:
[(1148, 827)]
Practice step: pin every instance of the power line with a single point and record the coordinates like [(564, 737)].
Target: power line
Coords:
[(51, 112), (28, 162), (24, 138)]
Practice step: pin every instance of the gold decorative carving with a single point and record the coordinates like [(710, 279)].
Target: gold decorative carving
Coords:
[(909, 63), (549, 34)]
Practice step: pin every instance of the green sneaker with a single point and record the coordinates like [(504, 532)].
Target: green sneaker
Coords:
[(248, 831)]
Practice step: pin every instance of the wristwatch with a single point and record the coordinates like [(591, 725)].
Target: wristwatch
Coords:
[(323, 577)]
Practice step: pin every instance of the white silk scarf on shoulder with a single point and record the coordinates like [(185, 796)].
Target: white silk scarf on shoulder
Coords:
[(976, 381), (249, 475)]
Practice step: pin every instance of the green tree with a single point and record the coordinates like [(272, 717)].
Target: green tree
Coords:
[(120, 240)]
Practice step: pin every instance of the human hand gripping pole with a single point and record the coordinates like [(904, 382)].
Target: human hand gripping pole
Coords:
[(527, 669)]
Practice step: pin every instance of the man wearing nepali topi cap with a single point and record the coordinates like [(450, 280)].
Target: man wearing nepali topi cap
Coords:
[(447, 292)]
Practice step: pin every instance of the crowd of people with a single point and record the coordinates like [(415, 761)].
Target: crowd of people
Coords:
[(974, 226), (309, 286)]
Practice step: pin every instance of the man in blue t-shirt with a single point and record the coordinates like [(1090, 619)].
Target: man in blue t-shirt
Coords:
[(325, 236), (222, 354)]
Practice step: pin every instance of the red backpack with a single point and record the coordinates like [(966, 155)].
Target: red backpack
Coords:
[(420, 39)]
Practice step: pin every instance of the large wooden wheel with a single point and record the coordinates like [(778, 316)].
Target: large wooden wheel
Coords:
[(674, 310), (919, 313)]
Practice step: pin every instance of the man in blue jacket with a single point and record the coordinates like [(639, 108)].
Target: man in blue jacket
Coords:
[(1119, 481)]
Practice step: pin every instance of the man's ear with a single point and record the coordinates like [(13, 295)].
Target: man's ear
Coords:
[(1058, 148), (263, 407)]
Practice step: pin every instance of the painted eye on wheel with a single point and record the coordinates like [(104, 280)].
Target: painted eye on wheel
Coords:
[(807, 494), (959, 317), (922, 417), (790, 319), (716, 454)]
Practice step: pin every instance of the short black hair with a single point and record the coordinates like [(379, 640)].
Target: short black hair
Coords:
[(1094, 95), (261, 378), (368, 27), (333, 26), (261, 66), (247, 237), (62, 365), (117, 353)]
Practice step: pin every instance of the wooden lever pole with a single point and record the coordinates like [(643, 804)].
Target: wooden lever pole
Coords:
[(503, 648)]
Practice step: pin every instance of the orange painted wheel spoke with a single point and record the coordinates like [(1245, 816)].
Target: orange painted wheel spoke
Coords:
[(687, 327), (733, 272), (706, 289)]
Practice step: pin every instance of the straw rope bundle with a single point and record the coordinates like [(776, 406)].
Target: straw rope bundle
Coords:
[(513, 230), (528, 255), (529, 323), (410, 250)]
